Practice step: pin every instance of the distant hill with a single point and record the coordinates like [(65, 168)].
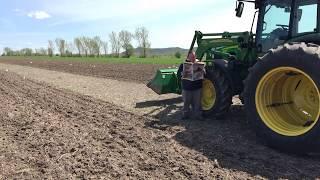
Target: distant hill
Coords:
[(163, 51)]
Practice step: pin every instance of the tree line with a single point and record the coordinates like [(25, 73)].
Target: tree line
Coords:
[(120, 46)]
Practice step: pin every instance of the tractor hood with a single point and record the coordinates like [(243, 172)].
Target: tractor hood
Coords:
[(223, 45)]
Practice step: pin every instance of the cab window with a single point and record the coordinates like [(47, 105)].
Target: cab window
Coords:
[(275, 24), (306, 17)]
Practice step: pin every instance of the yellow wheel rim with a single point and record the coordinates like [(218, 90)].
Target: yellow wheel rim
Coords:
[(288, 101), (208, 95)]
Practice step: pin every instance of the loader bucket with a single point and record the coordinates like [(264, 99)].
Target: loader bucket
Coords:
[(165, 81)]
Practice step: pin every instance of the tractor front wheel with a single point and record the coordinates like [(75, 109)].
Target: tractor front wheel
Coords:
[(216, 93), (283, 100)]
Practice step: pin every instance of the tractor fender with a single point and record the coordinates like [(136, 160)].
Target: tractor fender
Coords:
[(223, 65)]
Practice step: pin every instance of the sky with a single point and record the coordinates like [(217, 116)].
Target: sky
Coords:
[(171, 23)]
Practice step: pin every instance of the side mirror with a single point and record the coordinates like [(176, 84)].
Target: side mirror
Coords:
[(239, 9), (257, 4)]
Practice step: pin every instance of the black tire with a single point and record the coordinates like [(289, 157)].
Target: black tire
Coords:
[(301, 56), (223, 93)]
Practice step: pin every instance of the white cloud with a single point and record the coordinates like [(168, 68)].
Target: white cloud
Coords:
[(38, 15)]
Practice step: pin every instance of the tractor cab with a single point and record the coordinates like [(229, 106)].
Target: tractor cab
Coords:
[(281, 21)]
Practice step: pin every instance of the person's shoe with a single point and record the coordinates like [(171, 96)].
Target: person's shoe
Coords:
[(200, 118), (205, 117), (185, 117)]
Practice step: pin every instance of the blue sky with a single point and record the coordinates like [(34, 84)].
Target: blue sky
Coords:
[(171, 23)]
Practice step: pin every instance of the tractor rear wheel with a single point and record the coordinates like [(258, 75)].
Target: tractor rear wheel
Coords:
[(283, 100), (216, 94)]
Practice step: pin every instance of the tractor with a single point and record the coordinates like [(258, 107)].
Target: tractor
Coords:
[(274, 70)]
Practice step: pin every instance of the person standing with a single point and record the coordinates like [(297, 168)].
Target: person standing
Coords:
[(191, 93)]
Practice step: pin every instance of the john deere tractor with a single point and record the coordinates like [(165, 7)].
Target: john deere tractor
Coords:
[(275, 71)]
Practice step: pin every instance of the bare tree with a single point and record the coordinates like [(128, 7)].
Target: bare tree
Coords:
[(26, 51), (36, 52), (43, 51), (115, 44), (94, 51), (40, 51), (69, 49), (125, 38), (61, 45), (79, 45), (142, 35), (88, 45), (98, 44), (84, 45), (8, 51), (105, 47), (50, 48)]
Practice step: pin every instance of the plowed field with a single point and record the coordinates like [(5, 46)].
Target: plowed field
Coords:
[(47, 132), (128, 72)]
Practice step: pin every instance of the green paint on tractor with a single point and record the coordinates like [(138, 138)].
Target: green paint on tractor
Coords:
[(227, 46)]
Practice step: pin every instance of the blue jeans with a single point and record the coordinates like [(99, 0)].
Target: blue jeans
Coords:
[(193, 99)]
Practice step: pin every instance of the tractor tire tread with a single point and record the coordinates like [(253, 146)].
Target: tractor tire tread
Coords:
[(223, 93), (305, 57)]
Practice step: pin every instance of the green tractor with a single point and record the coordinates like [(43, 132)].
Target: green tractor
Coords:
[(275, 71)]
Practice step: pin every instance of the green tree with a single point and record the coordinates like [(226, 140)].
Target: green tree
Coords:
[(8, 51), (129, 51), (177, 54)]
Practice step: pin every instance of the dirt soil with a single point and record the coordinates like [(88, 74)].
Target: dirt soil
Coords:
[(51, 133), (128, 72), (132, 96)]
